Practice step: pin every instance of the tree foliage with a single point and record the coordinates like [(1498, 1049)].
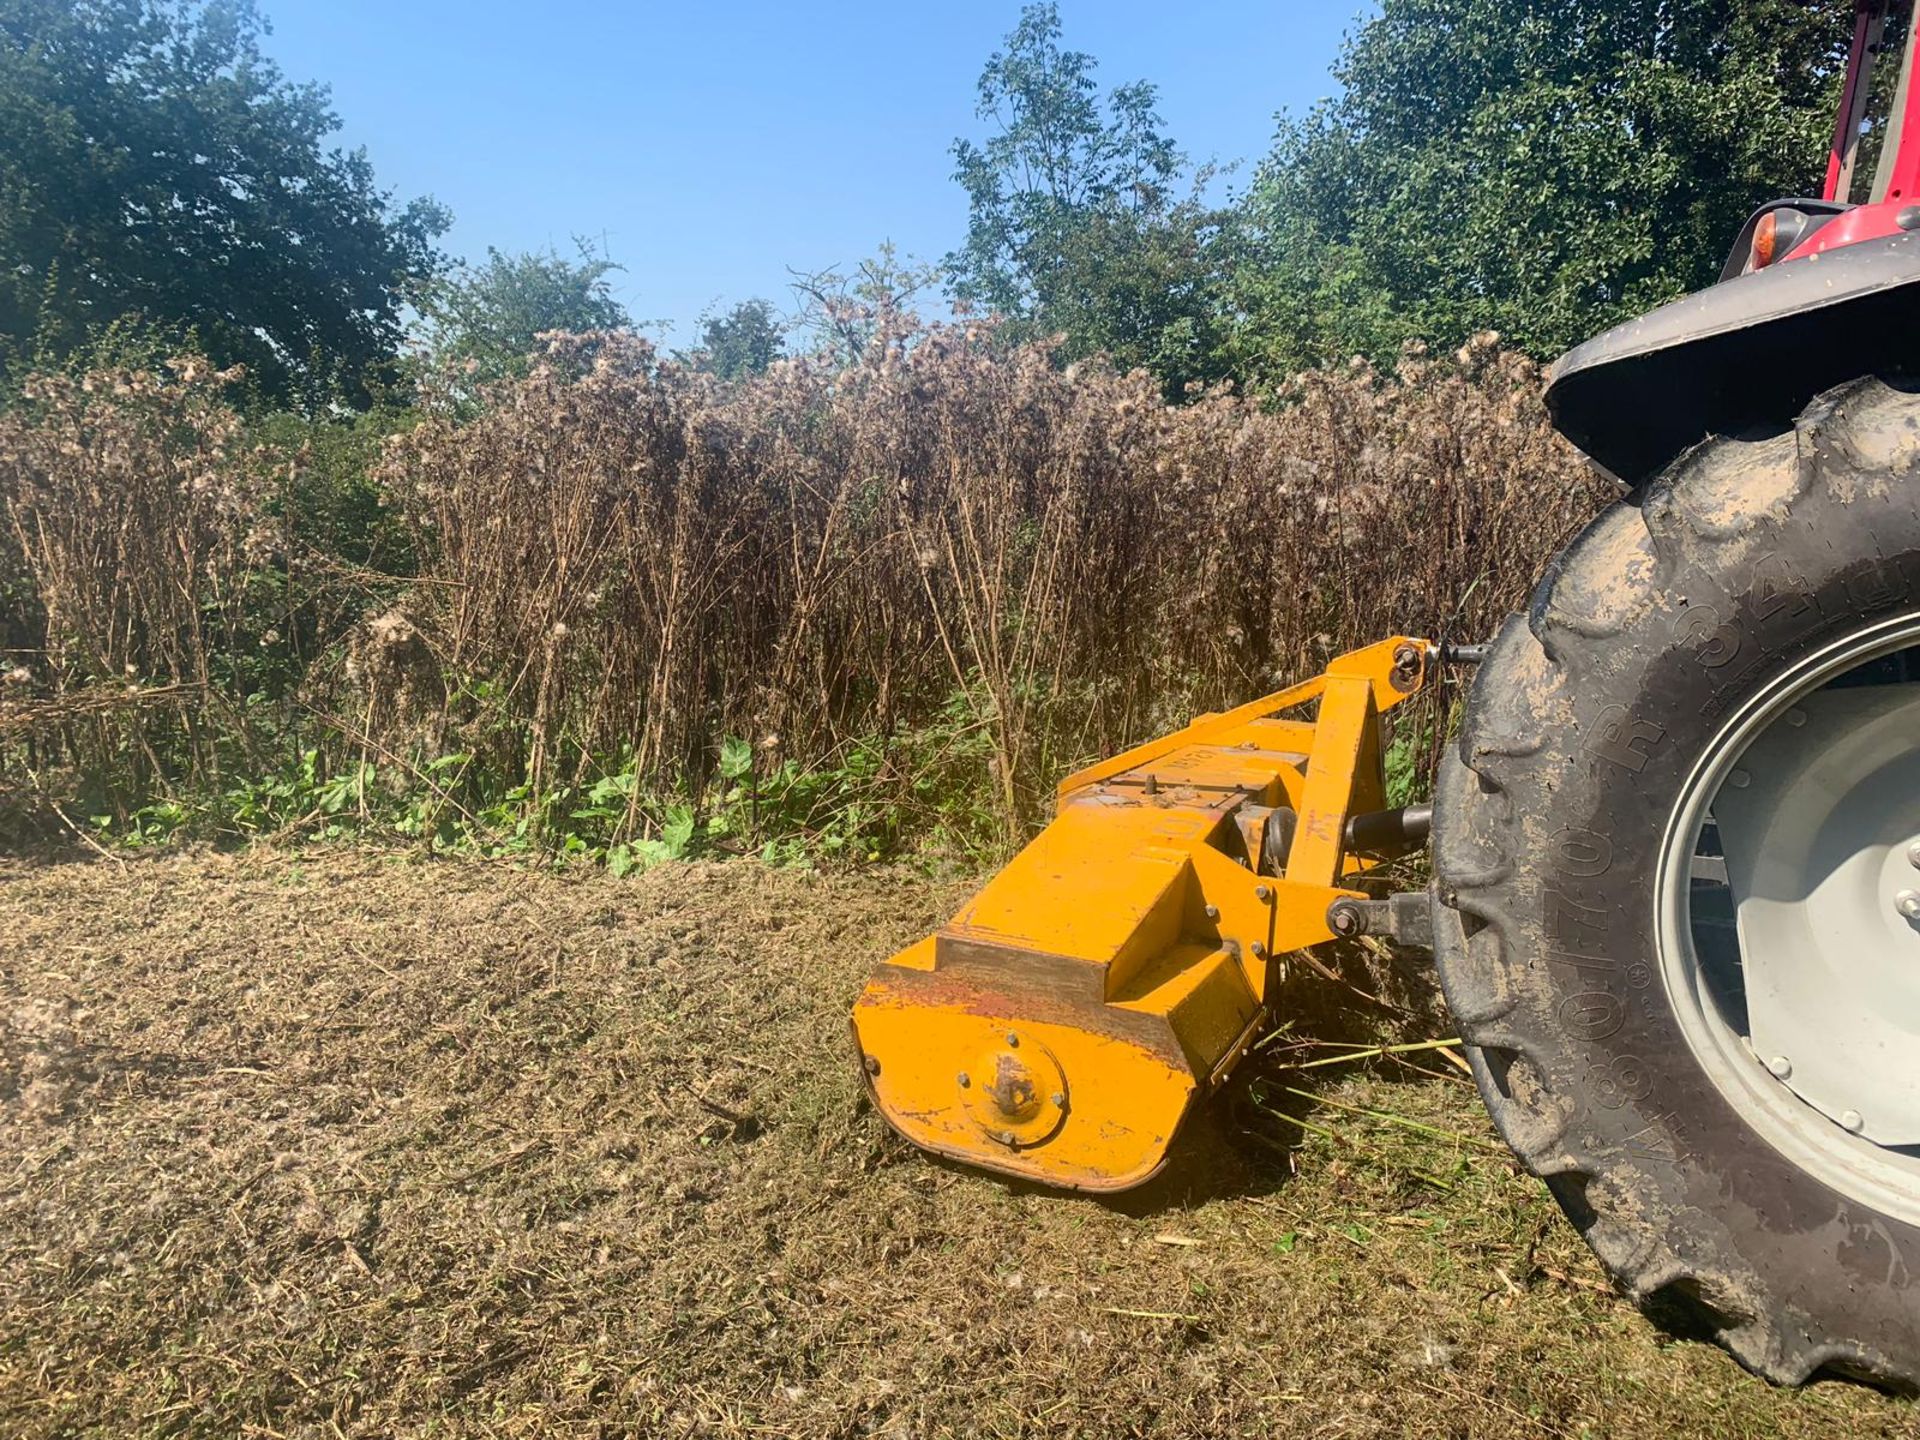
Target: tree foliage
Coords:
[(1540, 170), (486, 320), (743, 341), (153, 162), (1077, 222)]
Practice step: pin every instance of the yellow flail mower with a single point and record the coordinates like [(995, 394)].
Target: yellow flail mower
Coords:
[(1065, 1022), (1675, 907)]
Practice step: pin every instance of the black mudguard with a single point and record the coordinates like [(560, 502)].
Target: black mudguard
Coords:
[(1744, 355)]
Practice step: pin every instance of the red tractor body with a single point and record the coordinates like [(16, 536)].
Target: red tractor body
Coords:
[(1815, 292)]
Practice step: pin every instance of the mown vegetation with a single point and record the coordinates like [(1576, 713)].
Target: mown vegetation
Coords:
[(339, 1145), (353, 538)]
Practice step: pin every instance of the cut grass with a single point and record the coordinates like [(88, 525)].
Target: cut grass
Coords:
[(341, 1145)]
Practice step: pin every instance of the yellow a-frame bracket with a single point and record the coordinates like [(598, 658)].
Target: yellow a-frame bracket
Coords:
[(1064, 1022)]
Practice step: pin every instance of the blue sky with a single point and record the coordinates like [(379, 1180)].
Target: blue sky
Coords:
[(714, 146)]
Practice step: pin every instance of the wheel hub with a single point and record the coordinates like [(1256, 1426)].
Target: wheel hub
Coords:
[(1015, 1091)]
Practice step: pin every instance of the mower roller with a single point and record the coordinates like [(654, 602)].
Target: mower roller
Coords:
[(1675, 906)]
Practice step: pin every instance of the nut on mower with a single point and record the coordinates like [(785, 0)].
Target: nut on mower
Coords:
[(1675, 845)]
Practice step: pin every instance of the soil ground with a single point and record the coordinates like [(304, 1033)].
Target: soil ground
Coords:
[(340, 1144)]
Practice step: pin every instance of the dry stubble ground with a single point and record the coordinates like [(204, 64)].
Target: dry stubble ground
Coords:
[(338, 1144)]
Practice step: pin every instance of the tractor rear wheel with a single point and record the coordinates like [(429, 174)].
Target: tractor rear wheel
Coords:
[(1677, 871)]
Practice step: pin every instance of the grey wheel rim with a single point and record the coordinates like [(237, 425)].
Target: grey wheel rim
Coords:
[(1791, 958)]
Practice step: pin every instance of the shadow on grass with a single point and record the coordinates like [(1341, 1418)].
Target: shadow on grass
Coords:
[(1240, 1141)]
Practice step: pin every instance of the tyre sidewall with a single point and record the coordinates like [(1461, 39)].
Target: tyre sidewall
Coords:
[(1641, 1115)]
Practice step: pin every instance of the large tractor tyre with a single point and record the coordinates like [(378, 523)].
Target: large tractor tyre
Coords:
[(1678, 889)]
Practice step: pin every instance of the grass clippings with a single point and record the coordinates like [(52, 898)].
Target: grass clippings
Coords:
[(341, 1145)]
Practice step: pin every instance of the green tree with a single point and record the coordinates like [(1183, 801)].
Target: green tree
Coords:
[(154, 163), (1540, 170), (1076, 225), (744, 341), (485, 320)]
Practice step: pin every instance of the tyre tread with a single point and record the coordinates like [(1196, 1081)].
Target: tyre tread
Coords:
[(1711, 497)]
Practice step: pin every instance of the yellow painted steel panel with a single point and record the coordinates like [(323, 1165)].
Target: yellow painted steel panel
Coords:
[(1063, 1023)]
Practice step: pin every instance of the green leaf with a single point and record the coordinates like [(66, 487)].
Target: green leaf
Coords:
[(612, 787), (677, 834), (736, 758)]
